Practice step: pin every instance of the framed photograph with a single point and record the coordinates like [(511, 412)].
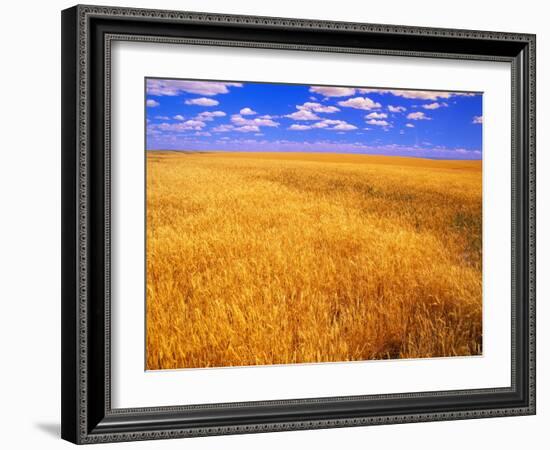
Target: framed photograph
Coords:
[(278, 224)]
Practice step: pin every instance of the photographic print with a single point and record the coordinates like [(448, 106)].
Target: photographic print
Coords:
[(290, 223)]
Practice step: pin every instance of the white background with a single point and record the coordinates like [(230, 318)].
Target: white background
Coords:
[(132, 387), (30, 225)]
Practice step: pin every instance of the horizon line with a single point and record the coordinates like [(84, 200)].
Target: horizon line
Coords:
[(314, 152)]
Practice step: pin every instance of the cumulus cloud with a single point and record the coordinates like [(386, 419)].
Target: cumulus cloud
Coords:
[(421, 95), (223, 128), (477, 119), (317, 107), (179, 117), (194, 124), (375, 115), (307, 110), (380, 123), (152, 103), (247, 128), (210, 115), (243, 125), (396, 109), (202, 101), (360, 103), (303, 114), (344, 127), (160, 87), (332, 91), (419, 115), (434, 105), (409, 125), (328, 124), (181, 126), (247, 112), (239, 120), (297, 127)]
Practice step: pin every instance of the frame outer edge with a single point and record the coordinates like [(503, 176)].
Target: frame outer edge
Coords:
[(296, 23), (69, 289), (532, 222)]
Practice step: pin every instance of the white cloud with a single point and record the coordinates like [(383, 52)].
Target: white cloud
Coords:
[(297, 127), (194, 124), (247, 112), (422, 95), (248, 128), (409, 125), (202, 101), (181, 126), (380, 123), (303, 114), (228, 127), (477, 119), (152, 103), (210, 115), (162, 117), (344, 127), (317, 107), (179, 117), (375, 115), (332, 91), (434, 105), (419, 115), (223, 128), (396, 109), (239, 120), (328, 124), (307, 111), (160, 87), (360, 103), (332, 122)]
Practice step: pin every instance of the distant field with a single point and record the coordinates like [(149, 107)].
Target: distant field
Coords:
[(276, 258)]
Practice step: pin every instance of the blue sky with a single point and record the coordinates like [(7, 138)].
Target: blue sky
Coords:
[(243, 116)]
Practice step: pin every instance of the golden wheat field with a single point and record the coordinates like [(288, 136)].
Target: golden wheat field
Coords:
[(277, 258)]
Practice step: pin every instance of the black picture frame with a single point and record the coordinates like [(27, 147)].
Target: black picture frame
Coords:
[(87, 32)]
